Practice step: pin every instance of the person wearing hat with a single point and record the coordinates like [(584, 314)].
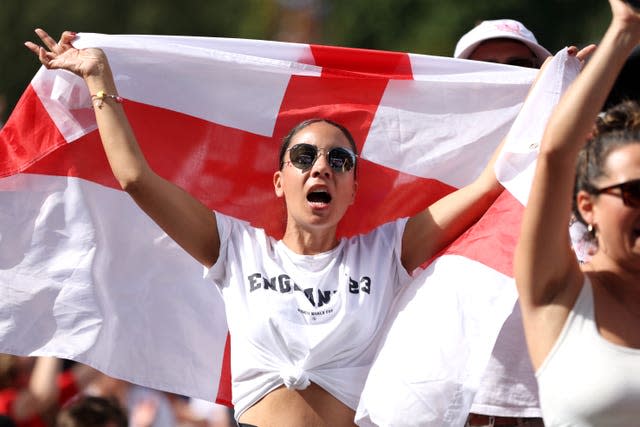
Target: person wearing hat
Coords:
[(505, 41), (508, 392)]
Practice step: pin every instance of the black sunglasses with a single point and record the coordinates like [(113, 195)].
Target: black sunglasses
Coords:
[(523, 62), (629, 192), (303, 156), (520, 62)]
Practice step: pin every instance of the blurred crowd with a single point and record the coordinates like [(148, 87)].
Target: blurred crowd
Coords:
[(47, 391)]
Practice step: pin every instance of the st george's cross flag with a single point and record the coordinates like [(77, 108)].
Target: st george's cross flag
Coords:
[(85, 275), (434, 355)]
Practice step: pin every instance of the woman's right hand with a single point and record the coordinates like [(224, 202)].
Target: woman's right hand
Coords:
[(185, 219), (62, 55)]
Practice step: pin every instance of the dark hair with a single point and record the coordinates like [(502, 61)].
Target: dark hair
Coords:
[(8, 370), (297, 128), (92, 411), (617, 127), (627, 85), (5, 421)]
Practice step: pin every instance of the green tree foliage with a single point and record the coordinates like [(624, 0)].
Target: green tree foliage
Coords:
[(434, 26), (18, 18), (419, 26)]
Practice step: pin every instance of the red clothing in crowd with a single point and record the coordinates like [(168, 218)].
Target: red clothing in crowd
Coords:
[(66, 386)]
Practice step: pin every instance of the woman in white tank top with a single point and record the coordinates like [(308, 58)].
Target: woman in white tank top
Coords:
[(582, 321)]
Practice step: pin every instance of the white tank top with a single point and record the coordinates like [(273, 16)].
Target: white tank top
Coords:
[(586, 380), (508, 387)]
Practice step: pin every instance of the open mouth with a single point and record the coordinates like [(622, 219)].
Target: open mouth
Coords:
[(319, 196)]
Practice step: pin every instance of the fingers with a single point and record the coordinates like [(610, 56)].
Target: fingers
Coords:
[(50, 43), (586, 52), (582, 54), (41, 52), (44, 56), (32, 47), (54, 48), (546, 62), (67, 37)]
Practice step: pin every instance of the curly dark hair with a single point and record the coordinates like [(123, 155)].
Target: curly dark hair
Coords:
[(616, 127), (92, 411)]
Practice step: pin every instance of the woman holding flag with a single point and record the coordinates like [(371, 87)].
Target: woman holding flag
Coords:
[(306, 312), (581, 320)]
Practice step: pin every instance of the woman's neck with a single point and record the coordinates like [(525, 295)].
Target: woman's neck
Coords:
[(612, 274), (309, 242)]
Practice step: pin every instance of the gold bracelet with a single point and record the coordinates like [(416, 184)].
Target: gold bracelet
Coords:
[(101, 95)]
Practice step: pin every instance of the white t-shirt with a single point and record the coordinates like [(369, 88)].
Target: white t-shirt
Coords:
[(585, 380), (508, 387), (300, 318)]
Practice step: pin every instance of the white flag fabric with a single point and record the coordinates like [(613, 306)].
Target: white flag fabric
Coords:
[(517, 160), (432, 361), (85, 275)]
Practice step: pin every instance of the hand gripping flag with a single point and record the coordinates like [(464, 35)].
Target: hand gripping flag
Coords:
[(85, 275)]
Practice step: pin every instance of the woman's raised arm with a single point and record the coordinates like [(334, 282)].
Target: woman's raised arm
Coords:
[(545, 264), (431, 230), (184, 218)]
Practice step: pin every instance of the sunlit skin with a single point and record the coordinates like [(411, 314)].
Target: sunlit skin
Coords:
[(615, 267), (502, 51), (311, 226), (617, 225), (311, 407)]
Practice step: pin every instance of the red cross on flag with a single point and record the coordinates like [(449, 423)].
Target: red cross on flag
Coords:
[(85, 275)]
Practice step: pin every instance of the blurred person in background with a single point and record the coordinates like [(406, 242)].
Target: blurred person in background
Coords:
[(92, 411), (508, 392), (32, 389), (5, 421), (214, 414), (503, 41), (145, 407)]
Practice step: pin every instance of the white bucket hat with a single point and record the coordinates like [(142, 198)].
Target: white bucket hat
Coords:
[(499, 29)]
